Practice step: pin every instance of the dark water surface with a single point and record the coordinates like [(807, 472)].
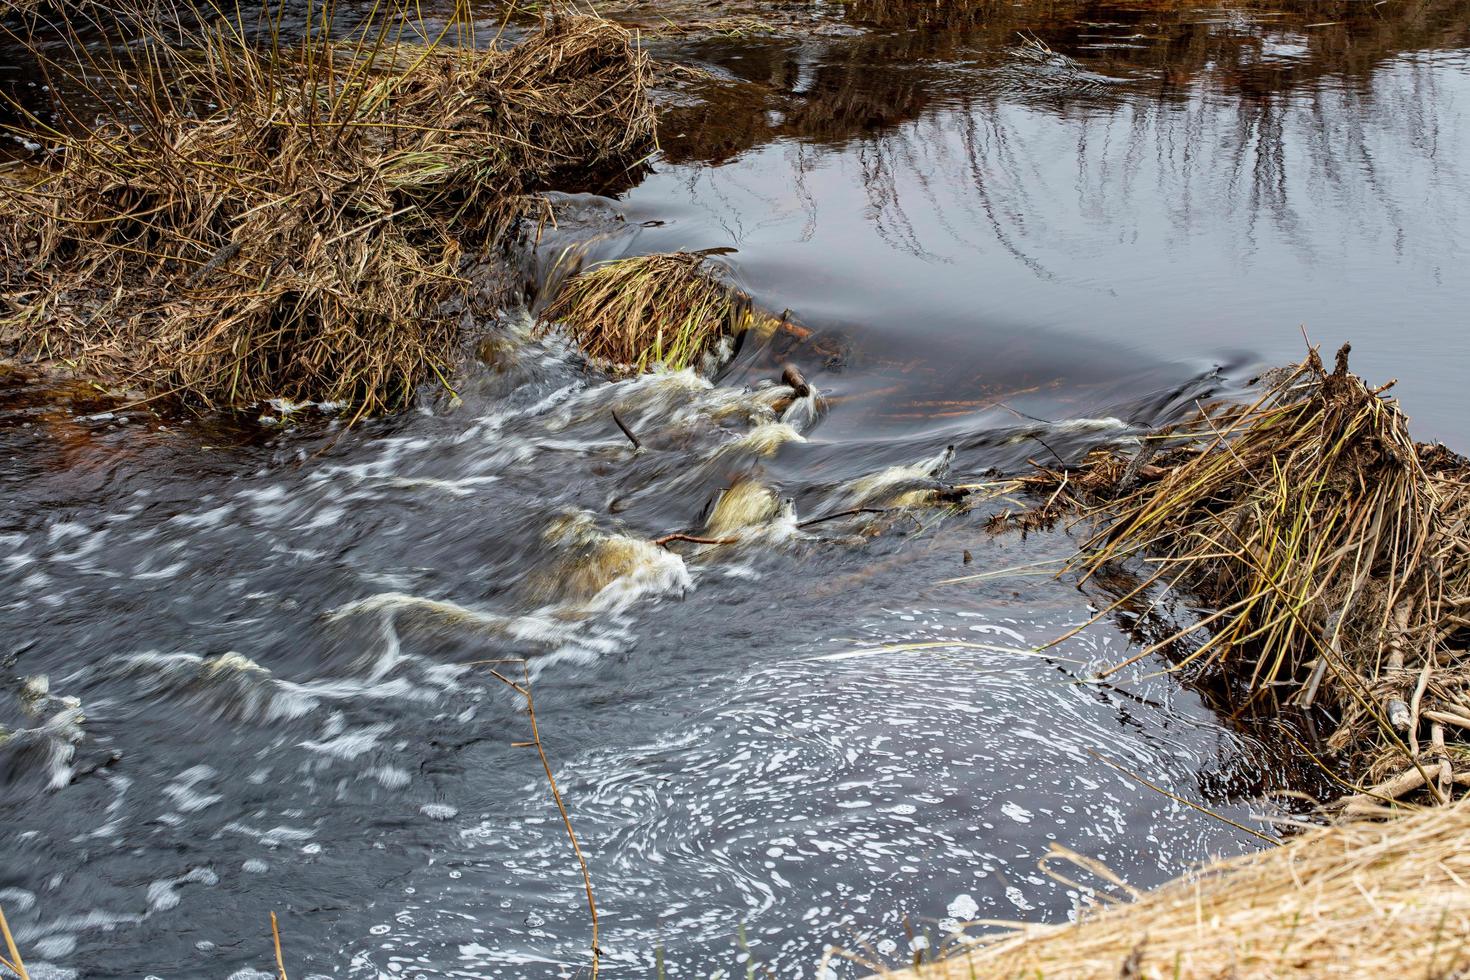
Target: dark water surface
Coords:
[(235, 660)]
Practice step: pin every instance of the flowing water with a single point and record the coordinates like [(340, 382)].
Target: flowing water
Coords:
[(243, 660)]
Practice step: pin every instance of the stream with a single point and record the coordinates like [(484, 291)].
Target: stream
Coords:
[(243, 666)]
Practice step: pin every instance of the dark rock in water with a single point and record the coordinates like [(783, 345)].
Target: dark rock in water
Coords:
[(792, 377)]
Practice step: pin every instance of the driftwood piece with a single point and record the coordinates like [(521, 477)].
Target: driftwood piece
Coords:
[(1397, 709), (1448, 718), (1369, 802), (667, 539), (1446, 768)]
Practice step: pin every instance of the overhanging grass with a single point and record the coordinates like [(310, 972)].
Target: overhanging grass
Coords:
[(1355, 900), (668, 309)]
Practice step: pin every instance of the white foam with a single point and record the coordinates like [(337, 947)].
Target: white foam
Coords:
[(963, 907), (163, 895)]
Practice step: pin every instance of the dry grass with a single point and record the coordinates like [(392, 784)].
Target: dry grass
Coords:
[(670, 309), (1335, 554), (1334, 549), (259, 221), (18, 7), (1355, 900), (12, 961)]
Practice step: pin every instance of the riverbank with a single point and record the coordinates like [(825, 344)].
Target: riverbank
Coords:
[(1325, 547), (321, 219), (1329, 548), (1362, 899)]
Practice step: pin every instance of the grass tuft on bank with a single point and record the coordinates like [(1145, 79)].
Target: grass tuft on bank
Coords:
[(667, 308), (1332, 549), (249, 218), (1334, 553)]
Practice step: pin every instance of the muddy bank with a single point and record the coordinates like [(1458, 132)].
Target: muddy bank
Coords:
[(1325, 547)]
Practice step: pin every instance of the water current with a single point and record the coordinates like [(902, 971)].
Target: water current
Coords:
[(242, 661)]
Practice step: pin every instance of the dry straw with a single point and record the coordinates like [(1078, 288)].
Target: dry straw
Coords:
[(1335, 553), (254, 219), (12, 961), (1355, 900), (1333, 549), (667, 309)]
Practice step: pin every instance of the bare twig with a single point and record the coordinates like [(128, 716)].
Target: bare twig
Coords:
[(664, 541), (842, 513), (1446, 768), (1179, 799), (1367, 802), (226, 252), (524, 690), (637, 446), (1449, 718)]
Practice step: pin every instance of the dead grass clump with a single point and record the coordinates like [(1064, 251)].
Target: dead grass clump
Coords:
[(667, 309), (1334, 549), (254, 221), (1353, 900)]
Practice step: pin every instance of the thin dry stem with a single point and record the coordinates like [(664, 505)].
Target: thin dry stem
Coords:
[(276, 937), (524, 690), (15, 964)]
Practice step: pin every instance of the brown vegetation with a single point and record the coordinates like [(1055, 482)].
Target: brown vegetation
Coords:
[(1333, 549), (16, 7), (256, 222), (1353, 900), (1335, 553), (635, 313)]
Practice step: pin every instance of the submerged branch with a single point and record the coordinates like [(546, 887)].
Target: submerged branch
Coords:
[(637, 446), (667, 539)]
